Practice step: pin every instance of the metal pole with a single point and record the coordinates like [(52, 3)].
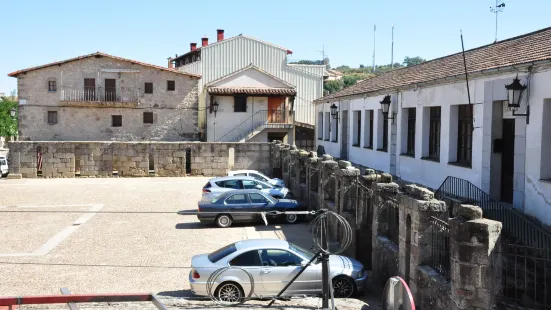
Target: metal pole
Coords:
[(497, 12), (374, 29), (392, 50), (326, 289), (465, 64)]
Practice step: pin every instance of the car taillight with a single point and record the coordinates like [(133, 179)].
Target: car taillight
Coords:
[(206, 190), (198, 209), (195, 274)]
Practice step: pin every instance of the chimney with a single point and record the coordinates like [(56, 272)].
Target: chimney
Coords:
[(220, 35), (170, 64), (192, 47), (204, 41)]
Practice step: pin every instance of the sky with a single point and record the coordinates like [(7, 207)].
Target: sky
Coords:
[(36, 32)]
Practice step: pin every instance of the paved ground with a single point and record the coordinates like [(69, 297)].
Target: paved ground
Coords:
[(111, 252)]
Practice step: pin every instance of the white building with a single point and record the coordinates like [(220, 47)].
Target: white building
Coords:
[(255, 90), (432, 132)]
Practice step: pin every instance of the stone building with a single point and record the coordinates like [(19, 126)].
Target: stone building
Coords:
[(102, 97)]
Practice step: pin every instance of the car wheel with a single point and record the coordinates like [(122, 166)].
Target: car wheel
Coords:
[(223, 220), (343, 287), (291, 218), (229, 292)]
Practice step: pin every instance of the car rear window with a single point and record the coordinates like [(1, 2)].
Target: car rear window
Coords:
[(220, 183), (207, 185), (221, 253)]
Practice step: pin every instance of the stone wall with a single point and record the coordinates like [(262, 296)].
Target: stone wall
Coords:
[(134, 159), (452, 265)]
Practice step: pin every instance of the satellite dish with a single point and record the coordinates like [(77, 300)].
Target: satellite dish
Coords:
[(397, 295)]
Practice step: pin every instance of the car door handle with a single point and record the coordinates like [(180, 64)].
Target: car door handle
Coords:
[(264, 271)]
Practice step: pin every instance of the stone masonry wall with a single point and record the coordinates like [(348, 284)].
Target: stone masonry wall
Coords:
[(134, 159)]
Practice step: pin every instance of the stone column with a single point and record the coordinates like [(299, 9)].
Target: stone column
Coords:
[(294, 185), (327, 183), (275, 159), (475, 259), (285, 159), (312, 181), (14, 161)]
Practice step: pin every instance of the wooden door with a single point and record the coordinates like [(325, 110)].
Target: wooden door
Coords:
[(110, 90), (276, 111), (90, 89)]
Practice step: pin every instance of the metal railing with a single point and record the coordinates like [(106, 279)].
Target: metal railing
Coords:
[(258, 121), (516, 225), (440, 247), (100, 94)]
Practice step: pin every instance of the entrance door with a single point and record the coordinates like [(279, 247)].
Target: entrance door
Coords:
[(276, 111), (90, 89), (344, 140), (110, 90), (508, 160)]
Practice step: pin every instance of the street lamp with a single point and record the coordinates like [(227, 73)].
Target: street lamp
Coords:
[(515, 91), (385, 106), (334, 111), (12, 113)]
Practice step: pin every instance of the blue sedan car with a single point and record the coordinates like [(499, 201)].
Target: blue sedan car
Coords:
[(225, 209)]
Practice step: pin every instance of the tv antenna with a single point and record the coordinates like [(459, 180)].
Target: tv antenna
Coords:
[(322, 52), (498, 8)]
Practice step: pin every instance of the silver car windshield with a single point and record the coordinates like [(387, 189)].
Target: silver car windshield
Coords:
[(303, 251)]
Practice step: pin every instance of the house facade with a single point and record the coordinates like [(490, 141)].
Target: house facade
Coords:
[(260, 97), (433, 130), (99, 97)]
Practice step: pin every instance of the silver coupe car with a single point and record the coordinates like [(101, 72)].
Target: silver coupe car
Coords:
[(272, 263)]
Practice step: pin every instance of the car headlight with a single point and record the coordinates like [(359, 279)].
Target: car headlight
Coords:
[(361, 273)]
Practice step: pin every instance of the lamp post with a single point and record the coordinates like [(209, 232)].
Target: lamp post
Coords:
[(334, 111), (385, 106), (515, 91)]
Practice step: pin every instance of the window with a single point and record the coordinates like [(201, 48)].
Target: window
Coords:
[(258, 177), (334, 130), (410, 148), (170, 85), (383, 132), (148, 117), (248, 184), (240, 104), (232, 184), (465, 134), (116, 120), (148, 89), (257, 198), (434, 133), (237, 199), (264, 185), (241, 174), (3, 162), (320, 126), (357, 135), (52, 86), (327, 126), (368, 143), (222, 252), (279, 258), (52, 117), (247, 259)]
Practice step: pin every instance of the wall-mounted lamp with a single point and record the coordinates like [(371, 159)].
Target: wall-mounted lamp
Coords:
[(334, 111), (385, 106), (12, 113), (214, 108), (515, 91), (292, 100)]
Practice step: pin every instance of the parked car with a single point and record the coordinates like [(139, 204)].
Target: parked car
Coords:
[(217, 186), (219, 209), (257, 175), (272, 264), (3, 166)]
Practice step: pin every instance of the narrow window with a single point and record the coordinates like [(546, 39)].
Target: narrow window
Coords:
[(170, 85), (52, 86), (52, 117), (116, 120), (411, 131), (327, 125), (240, 104), (357, 117), (148, 117), (369, 126), (385, 133), (434, 133), (148, 88), (465, 134), (320, 126)]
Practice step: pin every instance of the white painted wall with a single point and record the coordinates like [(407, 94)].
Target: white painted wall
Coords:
[(250, 78), (532, 141)]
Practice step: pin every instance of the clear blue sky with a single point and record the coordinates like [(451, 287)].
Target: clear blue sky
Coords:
[(36, 32)]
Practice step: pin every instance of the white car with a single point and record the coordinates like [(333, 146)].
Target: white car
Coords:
[(217, 186), (3, 166), (258, 176)]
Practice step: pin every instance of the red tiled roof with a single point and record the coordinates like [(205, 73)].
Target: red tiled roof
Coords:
[(99, 54), (525, 49), (251, 91)]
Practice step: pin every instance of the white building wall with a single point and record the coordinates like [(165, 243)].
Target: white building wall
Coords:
[(532, 142)]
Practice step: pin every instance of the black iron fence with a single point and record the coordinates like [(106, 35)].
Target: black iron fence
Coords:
[(440, 247)]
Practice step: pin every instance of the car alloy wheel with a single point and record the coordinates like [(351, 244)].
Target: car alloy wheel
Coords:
[(229, 292), (223, 221), (291, 218), (343, 287)]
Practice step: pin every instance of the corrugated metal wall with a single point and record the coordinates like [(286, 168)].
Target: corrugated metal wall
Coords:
[(194, 68), (226, 57)]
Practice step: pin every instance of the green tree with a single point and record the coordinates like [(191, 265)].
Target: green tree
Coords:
[(8, 125), (412, 61), (333, 86), (349, 80)]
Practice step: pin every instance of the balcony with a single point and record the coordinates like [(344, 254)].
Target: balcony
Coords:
[(100, 96)]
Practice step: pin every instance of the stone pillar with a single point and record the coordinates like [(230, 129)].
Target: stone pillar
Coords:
[(302, 175), (347, 200), (275, 159), (14, 161), (285, 159), (365, 219), (312, 181), (417, 206), (327, 183), (475, 259), (294, 184)]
